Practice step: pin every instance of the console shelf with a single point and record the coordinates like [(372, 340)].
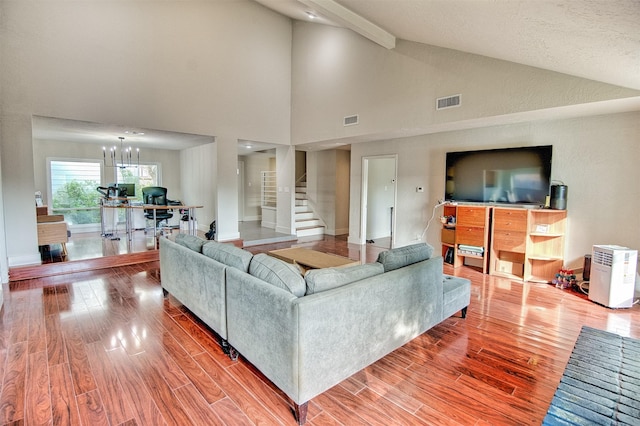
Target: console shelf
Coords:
[(471, 229), (527, 244)]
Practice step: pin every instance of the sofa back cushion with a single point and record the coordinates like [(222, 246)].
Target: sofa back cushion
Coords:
[(327, 278), (228, 254), (190, 241), (278, 273), (403, 256)]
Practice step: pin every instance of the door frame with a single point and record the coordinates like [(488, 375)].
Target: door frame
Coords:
[(364, 191), (240, 172)]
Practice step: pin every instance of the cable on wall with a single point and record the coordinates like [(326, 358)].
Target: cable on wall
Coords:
[(433, 214)]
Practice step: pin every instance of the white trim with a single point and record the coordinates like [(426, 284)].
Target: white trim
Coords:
[(340, 14), (27, 259)]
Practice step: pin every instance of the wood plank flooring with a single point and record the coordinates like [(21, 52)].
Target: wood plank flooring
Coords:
[(105, 347)]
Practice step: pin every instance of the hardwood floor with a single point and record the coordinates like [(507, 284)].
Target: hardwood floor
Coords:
[(105, 347)]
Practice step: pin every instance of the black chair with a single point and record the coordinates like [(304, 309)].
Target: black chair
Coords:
[(156, 195)]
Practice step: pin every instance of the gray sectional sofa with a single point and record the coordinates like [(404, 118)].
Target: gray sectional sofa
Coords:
[(308, 333)]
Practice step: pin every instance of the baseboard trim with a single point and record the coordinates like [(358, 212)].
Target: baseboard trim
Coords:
[(26, 260)]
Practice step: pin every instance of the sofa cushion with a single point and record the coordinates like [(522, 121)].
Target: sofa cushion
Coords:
[(403, 256), (228, 254), (325, 279), (278, 273), (190, 241)]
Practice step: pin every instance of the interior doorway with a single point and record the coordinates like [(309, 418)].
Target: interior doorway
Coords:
[(378, 213)]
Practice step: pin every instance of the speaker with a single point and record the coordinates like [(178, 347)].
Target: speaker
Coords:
[(559, 197), (586, 269), (448, 257)]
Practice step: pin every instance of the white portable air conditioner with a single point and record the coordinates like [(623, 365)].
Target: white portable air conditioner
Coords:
[(613, 275)]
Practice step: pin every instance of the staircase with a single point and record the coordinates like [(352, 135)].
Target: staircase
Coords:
[(307, 224)]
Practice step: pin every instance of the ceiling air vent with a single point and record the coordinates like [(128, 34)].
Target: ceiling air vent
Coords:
[(351, 120), (448, 102)]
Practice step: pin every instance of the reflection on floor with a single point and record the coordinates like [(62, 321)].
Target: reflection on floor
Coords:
[(253, 234), (384, 242), (91, 245)]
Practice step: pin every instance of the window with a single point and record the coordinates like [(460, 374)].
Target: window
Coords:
[(73, 190), (73, 186), (142, 176)]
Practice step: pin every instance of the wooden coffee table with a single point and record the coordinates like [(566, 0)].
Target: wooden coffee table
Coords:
[(311, 259)]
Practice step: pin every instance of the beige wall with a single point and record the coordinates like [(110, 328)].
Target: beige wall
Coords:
[(343, 167), (254, 165), (232, 70), (328, 188), (337, 73), (212, 68), (198, 181), (285, 166), (597, 157)]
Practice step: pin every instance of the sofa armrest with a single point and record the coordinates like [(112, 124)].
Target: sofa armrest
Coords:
[(262, 323), (197, 281)]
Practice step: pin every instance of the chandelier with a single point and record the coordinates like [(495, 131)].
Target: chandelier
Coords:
[(123, 159)]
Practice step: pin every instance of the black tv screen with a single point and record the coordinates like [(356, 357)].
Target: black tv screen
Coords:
[(508, 175)]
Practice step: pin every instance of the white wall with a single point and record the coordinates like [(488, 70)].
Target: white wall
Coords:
[(253, 166), (198, 181), (211, 68), (225, 69), (328, 188), (4, 269), (321, 186), (226, 191), (285, 178), (597, 157), (337, 73), (343, 165)]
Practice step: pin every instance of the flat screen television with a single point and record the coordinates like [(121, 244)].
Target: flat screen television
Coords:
[(126, 190), (508, 175)]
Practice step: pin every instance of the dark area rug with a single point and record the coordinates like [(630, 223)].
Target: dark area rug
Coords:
[(601, 383)]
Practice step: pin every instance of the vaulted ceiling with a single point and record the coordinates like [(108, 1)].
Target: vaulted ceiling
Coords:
[(593, 39)]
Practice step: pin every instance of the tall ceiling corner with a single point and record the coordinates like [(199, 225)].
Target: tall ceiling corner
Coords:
[(349, 19)]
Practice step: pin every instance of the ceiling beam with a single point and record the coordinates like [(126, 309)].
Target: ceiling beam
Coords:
[(343, 16)]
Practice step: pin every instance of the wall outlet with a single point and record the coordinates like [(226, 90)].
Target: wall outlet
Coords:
[(419, 189)]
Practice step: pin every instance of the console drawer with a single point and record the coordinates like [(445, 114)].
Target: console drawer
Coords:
[(510, 220), (469, 235), (471, 216), (509, 241), (448, 236)]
